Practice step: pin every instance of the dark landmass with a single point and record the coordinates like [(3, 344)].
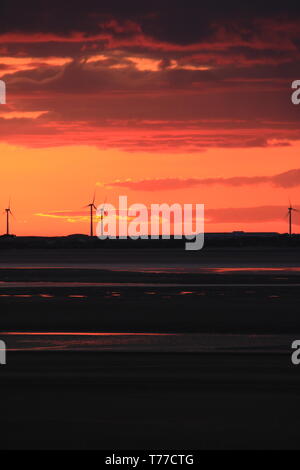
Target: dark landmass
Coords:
[(211, 239)]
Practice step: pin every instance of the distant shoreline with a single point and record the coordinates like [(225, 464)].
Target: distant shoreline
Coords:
[(215, 240)]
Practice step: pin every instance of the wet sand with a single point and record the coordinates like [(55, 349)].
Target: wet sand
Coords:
[(210, 291), (204, 309), (149, 401), (129, 258)]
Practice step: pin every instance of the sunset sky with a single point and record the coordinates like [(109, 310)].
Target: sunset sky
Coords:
[(163, 103)]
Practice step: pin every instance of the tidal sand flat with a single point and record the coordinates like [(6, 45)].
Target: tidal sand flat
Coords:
[(82, 400), (135, 351)]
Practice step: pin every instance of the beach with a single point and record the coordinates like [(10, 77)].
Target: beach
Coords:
[(149, 401), (147, 354)]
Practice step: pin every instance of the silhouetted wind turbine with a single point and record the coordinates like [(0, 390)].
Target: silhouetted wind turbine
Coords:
[(8, 214), (290, 211), (92, 207), (102, 211)]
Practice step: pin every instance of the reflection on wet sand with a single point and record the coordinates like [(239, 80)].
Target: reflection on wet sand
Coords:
[(143, 341)]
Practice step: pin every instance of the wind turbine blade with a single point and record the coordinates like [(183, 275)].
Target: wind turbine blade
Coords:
[(94, 198)]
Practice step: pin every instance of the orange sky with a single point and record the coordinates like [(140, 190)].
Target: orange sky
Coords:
[(45, 181)]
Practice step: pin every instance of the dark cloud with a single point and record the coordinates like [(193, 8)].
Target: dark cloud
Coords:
[(217, 76), (167, 20)]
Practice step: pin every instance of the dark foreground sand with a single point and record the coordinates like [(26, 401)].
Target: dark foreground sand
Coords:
[(112, 400), (149, 401), (135, 258), (203, 309)]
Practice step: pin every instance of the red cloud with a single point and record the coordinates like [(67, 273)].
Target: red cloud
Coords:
[(249, 214), (160, 97), (287, 179)]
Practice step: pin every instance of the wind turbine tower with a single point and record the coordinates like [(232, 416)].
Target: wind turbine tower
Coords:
[(8, 214), (290, 214), (92, 207)]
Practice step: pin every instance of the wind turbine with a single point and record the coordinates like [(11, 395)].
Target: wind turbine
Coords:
[(102, 212), (290, 212), (8, 214), (92, 207)]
